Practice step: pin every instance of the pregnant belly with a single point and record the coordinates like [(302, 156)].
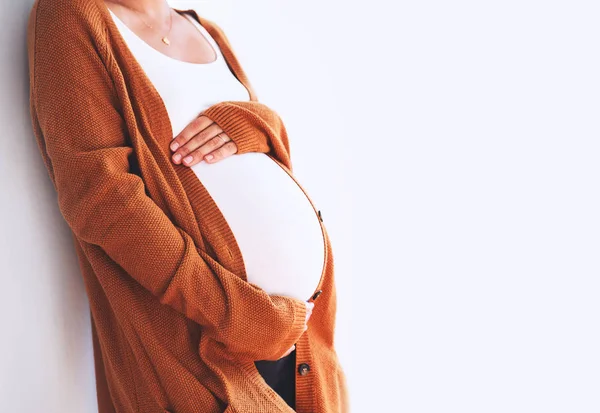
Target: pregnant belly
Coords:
[(273, 221)]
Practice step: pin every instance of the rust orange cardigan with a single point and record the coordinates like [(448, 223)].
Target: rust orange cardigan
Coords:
[(176, 326)]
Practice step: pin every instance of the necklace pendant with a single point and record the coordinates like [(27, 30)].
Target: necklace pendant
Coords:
[(166, 41)]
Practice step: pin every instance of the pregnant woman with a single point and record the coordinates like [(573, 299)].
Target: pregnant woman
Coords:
[(208, 269)]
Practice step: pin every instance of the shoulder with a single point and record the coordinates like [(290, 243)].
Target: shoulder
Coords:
[(66, 18), (65, 36), (210, 25), (59, 25)]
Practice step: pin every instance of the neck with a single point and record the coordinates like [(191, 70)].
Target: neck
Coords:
[(151, 8)]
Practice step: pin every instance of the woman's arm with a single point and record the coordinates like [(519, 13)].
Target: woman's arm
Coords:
[(82, 136), (254, 127), (250, 126)]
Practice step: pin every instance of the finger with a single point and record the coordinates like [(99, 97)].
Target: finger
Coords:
[(289, 351), (210, 146), (224, 151), (191, 130), (308, 316), (213, 144), (196, 142), (309, 310)]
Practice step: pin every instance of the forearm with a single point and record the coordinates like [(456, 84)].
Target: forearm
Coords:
[(254, 127)]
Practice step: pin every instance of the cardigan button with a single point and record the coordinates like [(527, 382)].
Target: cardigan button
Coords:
[(316, 295), (320, 215), (303, 369)]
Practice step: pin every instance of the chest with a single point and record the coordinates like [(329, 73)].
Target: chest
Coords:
[(178, 39), (186, 88)]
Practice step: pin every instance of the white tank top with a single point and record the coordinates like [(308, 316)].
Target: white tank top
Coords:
[(274, 223)]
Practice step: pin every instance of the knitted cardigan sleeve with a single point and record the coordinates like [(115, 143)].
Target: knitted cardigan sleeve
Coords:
[(82, 137), (254, 127)]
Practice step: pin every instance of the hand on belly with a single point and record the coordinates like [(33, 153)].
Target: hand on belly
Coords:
[(201, 139)]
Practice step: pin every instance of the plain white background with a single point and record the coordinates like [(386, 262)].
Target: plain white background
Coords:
[(453, 148)]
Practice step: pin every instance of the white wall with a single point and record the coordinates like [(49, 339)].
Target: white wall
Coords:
[(45, 346), (46, 353), (479, 172)]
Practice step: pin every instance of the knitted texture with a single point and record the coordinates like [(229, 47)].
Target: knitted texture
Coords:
[(176, 326)]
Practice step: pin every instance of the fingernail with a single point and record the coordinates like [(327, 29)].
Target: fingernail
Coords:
[(174, 146), (188, 159), (177, 157), (209, 157)]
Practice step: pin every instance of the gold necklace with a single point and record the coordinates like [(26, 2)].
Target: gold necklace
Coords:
[(164, 39)]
